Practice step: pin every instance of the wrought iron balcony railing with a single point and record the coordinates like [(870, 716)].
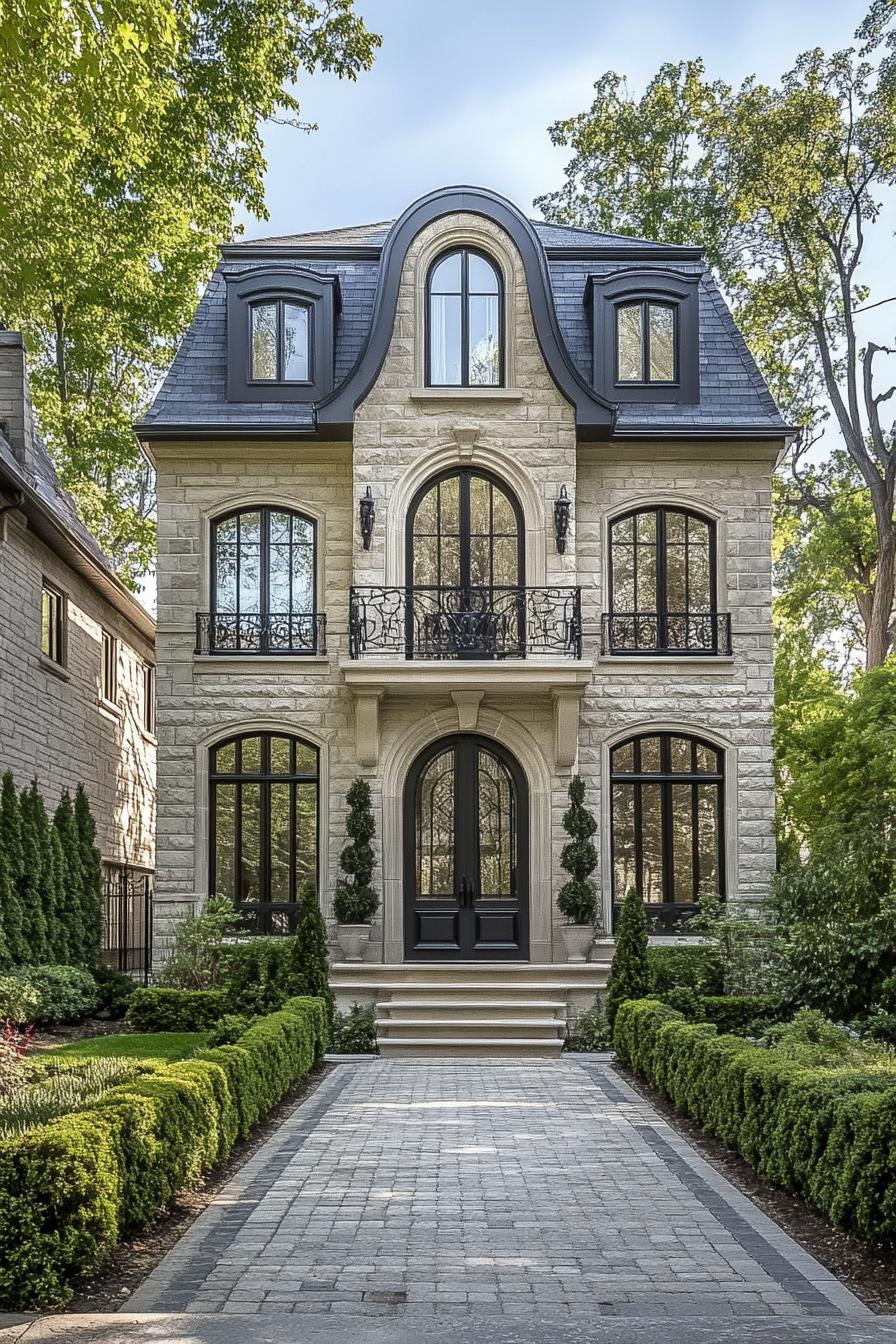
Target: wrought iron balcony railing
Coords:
[(684, 633), (465, 622), (226, 632)]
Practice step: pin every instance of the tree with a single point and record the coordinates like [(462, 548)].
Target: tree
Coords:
[(577, 898), (59, 949), (356, 901), (312, 956), (630, 971), (30, 883), (71, 903), (10, 894), (129, 133), (783, 187), (91, 878)]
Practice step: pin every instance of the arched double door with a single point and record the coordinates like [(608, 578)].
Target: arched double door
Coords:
[(466, 853)]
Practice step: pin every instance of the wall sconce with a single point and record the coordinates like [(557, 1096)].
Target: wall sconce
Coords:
[(562, 505), (367, 515)]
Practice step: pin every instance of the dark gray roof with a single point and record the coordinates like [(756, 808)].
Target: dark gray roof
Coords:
[(733, 395)]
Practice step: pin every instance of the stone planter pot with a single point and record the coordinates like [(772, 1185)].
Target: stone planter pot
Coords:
[(577, 940), (353, 940)]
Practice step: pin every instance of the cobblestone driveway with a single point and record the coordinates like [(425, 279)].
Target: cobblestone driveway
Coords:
[(444, 1188)]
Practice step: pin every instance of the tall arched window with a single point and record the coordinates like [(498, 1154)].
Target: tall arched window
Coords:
[(263, 583), (663, 584), (464, 332), (667, 821), (263, 805)]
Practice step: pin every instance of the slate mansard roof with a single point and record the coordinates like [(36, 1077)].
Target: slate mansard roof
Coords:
[(733, 401)]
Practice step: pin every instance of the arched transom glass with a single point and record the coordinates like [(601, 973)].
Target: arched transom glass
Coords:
[(464, 321), (263, 806)]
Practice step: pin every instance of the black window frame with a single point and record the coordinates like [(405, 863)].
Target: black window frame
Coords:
[(668, 915), (149, 699), (605, 294), (282, 285), (465, 254), (280, 380), (645, 380), (264, 911), (57, 601), (108, 667), (662, 612), (264, 612)]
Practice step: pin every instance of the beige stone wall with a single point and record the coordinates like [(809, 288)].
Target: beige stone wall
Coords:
[(53, 723)]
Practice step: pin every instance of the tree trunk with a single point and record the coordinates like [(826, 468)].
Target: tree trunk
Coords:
[(882, 605)]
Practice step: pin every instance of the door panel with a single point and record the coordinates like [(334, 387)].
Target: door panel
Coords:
[(466, 854)]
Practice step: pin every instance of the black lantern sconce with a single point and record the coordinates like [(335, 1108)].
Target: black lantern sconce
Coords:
[(367, 516), (562, 505)]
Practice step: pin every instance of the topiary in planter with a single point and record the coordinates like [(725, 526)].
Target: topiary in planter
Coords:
[(577, 898), (356, 900), (630, 972)]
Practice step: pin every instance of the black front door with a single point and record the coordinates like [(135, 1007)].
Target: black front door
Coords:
[(466, 854)]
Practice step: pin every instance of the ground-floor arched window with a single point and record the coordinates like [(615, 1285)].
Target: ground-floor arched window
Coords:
[(263, 804), (667, 822)]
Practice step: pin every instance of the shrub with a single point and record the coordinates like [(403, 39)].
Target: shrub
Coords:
[(48, 994), (354, 1032), (19, 999), (356, 900), (175, 1009), (61, 1092), (591, 1030), (71, 907), (821, 1132), (228, 1029), (739, 1012), (70, 1188), (11, 914), (114, 990), (258, 975), (199, 953), (577, 898), (12, 1069), (630, 971), (697, 967), (312, 956)]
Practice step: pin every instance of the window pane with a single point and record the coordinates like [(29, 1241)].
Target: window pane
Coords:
[(251, 756), (707, 760), (445, 340), (225, 577), (624, 872), (630, 344), (652, 841), (46, 623), (662, 343), (249, 879), (481, 275), (445, 278), (295, 343), (302, 578), (225, 759), (250, 562), (484, 348), (497, 831), (306, 832), (680, 750), (281, 842), (435, 828), (676, 578), (623, 559), (480, 505), (306, 760), (682, 843), (280, 754), (505, 563), (480, 562), (645, 574), (646, 528), (503, 515), (279, 574), (264, 341), (225, 839), (650, 756), (624, 758), (709, 877)]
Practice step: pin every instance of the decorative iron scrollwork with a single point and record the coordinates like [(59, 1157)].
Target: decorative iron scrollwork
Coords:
[(250, 633)]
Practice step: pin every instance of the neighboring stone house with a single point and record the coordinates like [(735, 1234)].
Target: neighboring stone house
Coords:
[(77, 666), (464, 504)]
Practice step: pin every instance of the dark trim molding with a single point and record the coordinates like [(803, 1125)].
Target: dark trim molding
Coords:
[(618, 253), (239, 430), (594, 414), (267, 252)]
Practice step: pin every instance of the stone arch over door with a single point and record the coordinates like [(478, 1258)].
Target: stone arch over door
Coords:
[(397, 758)]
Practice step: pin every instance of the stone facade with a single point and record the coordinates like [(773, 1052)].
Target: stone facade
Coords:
[(404, 433)]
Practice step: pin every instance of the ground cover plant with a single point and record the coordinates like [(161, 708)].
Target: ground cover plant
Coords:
[(164, 1045)]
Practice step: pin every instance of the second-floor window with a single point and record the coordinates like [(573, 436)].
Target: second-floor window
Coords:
[(645, 342), (263, 582), (464, 321), (149, 698), (280, 345), (110, 668), (53, 623), (663, 584)]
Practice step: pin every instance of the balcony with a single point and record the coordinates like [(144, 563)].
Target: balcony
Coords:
[(676, 634), (465, 623), (289, 634)]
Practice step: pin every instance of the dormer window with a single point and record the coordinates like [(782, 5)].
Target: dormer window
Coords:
[(281, 326), (280, 342), (646, 335), (645, 342), (464, 321)]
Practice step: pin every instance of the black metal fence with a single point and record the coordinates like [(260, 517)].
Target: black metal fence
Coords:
[(127, 921), (678, 632), (465, 622), (249, 632)]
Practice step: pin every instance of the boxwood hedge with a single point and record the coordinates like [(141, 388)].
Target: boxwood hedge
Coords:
[(827, 1134), (175, 1009), (71, 1188)]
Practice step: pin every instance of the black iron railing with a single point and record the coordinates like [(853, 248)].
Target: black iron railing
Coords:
[(227, 632), (267, 917), (664, 918), (127, 921), (676, 632), (465, 622)]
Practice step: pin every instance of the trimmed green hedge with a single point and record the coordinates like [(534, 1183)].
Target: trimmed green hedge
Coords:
[(696, 966), (71, 1188), (175, 1009), (739, 1012), (827, 1134)]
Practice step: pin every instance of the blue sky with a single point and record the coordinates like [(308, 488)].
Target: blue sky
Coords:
[(464, 92)]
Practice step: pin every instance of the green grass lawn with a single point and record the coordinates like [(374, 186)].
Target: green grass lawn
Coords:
[(168, 1045)]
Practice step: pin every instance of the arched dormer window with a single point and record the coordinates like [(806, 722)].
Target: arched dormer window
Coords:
[(464, 331), (646, 344), (281, 326), (645, 330), (263, 583), (663, 589), (280, 342)]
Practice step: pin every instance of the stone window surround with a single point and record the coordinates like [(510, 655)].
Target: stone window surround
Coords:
[(690, 728)]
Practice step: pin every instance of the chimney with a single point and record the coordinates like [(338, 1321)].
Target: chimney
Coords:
[(16, 416)]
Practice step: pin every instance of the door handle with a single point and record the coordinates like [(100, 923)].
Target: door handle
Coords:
[(466, 891)]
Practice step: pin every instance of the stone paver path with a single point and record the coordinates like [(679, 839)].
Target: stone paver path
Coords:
[(467, 1187)]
